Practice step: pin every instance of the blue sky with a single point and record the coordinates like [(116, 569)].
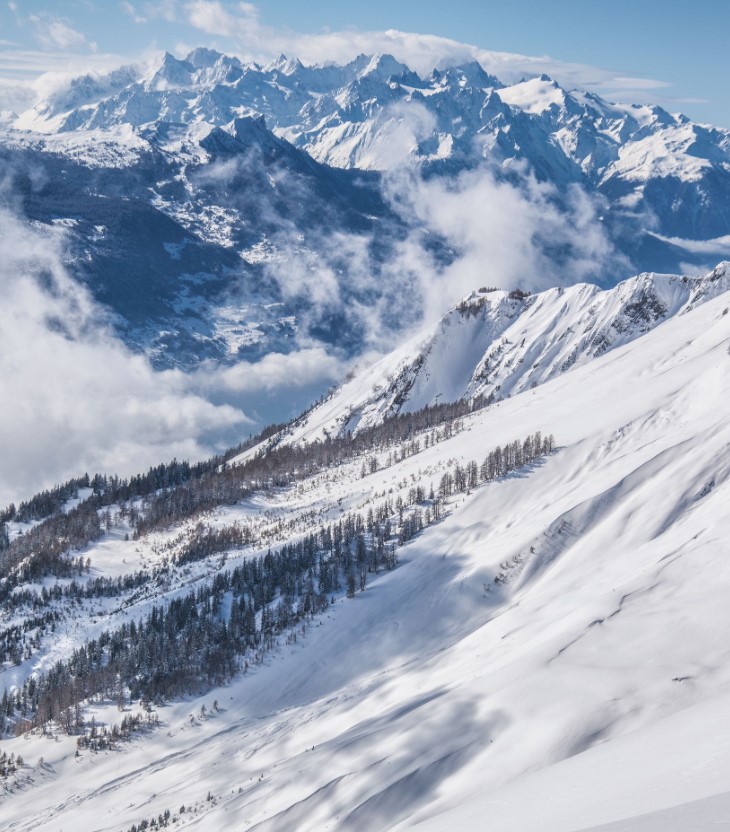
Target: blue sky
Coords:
[(673, 53)]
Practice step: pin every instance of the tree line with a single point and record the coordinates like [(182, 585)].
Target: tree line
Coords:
[(176, 491)]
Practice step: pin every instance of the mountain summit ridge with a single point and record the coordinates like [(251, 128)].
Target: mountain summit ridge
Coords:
[(497, 343)]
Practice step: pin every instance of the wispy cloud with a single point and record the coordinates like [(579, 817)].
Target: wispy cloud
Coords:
[(29, 64), (16, 95), (29, 74), (51, 31), (130, 10), (168, 10), (55, 34), (274, 372), (211, 17)]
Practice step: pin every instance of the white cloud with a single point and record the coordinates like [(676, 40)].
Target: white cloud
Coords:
[(503, 234), (130, 10), (275, 371), (211, 17), (74, 398), (168, 10), (16, 95), (716, 246), (53, 33)]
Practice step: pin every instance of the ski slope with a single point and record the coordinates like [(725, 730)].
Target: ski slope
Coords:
[(590, 686)]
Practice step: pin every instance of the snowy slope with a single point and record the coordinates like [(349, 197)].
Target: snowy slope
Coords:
[(589, 685), (496, 344)]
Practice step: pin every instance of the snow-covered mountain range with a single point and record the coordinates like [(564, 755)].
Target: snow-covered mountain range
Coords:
[(374, 112), (527, 632), (266, 205)]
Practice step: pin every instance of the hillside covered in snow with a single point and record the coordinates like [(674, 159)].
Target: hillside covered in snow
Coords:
[(495, 344), (501, 609)]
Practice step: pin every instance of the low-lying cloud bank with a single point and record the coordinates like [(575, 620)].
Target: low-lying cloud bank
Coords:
[(75, 399), (507, 234)]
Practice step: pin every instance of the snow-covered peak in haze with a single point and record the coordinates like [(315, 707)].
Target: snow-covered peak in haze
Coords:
[(205, 58), (81, 92), (172, 74), (496, 344), (381, 67), (471, 74), (534, 96), (284, 65)]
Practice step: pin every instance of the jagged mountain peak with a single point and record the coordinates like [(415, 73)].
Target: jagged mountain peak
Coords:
[(245, 134), (204, 58), (172, 73), (473, 74), (382, 66), (284, 65)]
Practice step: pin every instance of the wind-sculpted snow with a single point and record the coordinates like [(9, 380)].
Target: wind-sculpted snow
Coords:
[(550, 655)]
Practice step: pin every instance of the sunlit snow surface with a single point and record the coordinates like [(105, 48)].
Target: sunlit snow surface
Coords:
[(591, 687)]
